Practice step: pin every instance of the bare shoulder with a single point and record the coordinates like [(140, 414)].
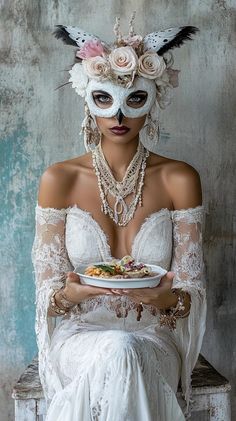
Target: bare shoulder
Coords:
[(182, 182), (57, 181)]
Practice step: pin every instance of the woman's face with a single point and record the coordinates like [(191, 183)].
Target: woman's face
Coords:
[(120, 128)]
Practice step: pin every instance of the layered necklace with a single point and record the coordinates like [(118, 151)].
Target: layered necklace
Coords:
[(132, 183)]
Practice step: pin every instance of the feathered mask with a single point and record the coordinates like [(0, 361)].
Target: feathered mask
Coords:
[(126, 58)]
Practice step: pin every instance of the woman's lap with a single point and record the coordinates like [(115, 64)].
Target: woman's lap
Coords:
[(97, 351)]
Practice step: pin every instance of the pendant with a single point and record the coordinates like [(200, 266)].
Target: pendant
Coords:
[(120, 208)]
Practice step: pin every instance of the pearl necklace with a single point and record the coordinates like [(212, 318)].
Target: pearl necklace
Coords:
[(132, 183)]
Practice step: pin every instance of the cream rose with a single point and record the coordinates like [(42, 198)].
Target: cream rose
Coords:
[(133, 41), (96, 67), (79, 79), (151, 65), (123, 60)]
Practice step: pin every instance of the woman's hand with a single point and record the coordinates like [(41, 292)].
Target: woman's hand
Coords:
[(161, 296), (75, 292)]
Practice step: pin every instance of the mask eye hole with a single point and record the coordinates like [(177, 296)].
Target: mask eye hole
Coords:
[(102, 99), (137, 99)]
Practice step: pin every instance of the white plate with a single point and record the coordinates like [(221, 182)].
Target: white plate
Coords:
[(151, 281)]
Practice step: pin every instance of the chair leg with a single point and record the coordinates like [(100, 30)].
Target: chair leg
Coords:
[(41, 409), (220, 407), (25, 410)]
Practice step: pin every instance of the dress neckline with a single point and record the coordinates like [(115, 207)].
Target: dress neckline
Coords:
[(106, 249), (102, 234)]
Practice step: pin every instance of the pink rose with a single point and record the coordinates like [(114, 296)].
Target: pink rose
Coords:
[(133, 41), (90, 49), (151, 65), (123, 60), (173, 77), (96, 67)]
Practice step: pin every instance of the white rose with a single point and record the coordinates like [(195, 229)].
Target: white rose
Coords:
[(123, 60), (79, 79), (96, 67), (151, 65)]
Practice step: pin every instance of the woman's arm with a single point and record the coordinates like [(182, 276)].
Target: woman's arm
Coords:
[(188, 266), (49, 255), (183, 185)]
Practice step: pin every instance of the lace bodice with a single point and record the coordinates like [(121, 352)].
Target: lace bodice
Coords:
[(73, 236), (67, 237), (86, 241)]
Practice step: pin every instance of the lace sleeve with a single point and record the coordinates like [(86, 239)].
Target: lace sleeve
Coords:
[(51, 263), (188, 266), (49, 255)]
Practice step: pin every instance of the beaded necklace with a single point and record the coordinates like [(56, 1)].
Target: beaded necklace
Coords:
[(132, 183)]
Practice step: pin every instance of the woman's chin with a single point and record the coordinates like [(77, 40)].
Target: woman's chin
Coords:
[(121, 138)]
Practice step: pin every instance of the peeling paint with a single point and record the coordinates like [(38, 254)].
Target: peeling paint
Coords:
[(17, 192)]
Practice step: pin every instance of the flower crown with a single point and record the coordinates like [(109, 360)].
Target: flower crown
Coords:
[(126, 58)]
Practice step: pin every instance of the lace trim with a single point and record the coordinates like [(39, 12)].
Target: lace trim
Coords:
[(103, 237), (49, 215), (150, 221), (118, 305), (174, 213), (191, 215)]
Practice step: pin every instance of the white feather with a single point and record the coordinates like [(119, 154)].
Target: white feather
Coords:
[(156, 40), (79, 35)]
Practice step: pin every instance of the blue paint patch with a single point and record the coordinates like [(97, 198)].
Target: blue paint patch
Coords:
[(19, 176)]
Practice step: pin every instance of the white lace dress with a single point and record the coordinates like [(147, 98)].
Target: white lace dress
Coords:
[(100, 363)]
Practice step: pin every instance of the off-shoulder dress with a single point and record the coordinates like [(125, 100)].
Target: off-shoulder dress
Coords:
[(99, 363)]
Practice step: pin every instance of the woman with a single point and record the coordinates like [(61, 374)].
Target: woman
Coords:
[(119, 354)]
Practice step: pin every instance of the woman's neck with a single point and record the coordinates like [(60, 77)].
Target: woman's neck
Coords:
[(119, 156)]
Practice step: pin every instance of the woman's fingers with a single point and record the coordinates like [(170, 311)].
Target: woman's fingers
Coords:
[(138, 294), (97, 290), (141, 294), (147, 294), (73, 277), (131, 291), (167, 280)]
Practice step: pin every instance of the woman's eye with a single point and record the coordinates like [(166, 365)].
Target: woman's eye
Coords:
[(103, 99), (137, 99)]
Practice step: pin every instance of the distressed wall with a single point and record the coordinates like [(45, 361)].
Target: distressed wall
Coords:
[(40, 126)]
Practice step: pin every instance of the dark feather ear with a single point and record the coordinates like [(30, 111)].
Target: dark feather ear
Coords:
[(61, 33), (183, 35)]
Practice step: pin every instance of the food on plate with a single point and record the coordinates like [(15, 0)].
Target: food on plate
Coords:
[(120, 269)]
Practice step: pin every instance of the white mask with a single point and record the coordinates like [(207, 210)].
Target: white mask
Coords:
[(119, 96)]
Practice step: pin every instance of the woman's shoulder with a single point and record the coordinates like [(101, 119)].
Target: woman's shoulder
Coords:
[(182, 181), (58, 179)]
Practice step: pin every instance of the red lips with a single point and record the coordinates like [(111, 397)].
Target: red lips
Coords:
[(119, 130), (119, 127)]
